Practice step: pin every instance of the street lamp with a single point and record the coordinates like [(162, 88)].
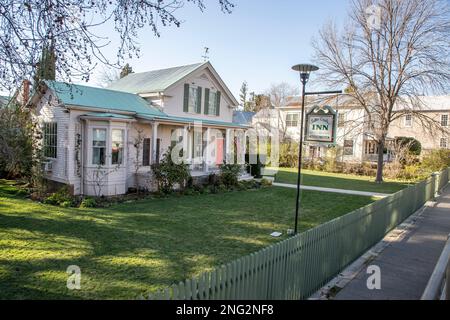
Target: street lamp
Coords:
[(304, 70)]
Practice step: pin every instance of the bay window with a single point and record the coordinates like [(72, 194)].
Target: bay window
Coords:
[(98, 146), (116, 146)]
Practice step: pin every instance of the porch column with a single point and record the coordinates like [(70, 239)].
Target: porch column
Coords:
[(228, 145), (154, 141), (206, 156), (185, 143)]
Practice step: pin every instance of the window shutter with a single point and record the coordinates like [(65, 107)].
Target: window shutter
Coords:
[(206, 100), (218, 103), (186, 98), (199, 100)]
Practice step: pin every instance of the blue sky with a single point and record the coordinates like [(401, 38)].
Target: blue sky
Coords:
[(258, 42)]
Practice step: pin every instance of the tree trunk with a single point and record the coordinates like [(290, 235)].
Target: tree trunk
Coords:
[(379, 178)]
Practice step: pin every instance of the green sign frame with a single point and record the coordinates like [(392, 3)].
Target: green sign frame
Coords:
[(321, 125)]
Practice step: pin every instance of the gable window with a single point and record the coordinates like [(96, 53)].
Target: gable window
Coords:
[(408, 120), (443, 143), (444, 120), (116, 146), (341, 119), (50, 131), (146, 152), (212, 102), (98, 146), (292, 120), (348, 147), (192, 98)]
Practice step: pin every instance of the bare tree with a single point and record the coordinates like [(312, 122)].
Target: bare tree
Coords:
[(279, 94), (390, 53), (70, 27), (108, 75)]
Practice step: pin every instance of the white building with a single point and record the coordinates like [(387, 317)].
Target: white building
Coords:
[(103, 141), (354, 135)]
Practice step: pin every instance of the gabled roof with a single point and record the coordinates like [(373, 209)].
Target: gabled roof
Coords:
[(160, 80), (153, 81), (243, 117), (105, 99)]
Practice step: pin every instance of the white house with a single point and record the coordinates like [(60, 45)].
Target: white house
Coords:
[(103, 141), (354, 134)]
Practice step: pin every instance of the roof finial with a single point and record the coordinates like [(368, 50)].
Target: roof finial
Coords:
[(205, 56)]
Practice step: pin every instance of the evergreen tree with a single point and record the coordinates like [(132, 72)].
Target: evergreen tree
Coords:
[(126, 70)]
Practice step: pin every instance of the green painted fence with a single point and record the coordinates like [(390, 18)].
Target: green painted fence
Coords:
[(297, 267)]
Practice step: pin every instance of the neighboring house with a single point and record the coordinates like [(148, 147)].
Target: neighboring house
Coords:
[(243, 117), (103, 141), (4, 101), (436, 108), (354, 135)]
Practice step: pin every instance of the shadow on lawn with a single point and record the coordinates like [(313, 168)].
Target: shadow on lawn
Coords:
[(121, 247)]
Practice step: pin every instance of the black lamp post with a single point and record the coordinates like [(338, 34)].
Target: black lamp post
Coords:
[(304, 70)]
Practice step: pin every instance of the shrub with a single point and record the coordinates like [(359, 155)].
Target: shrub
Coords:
[(88, 202), (266, 182), (167, 173), (436, 160), (288, 155), (229, 174), (62, 197)]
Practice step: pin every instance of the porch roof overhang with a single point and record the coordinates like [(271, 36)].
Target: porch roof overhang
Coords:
[(191, 121), (107, 116)]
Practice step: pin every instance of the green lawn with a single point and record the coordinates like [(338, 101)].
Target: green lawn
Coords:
[(338, 181), (131, 248)]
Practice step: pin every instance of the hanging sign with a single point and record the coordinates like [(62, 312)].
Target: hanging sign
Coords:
[(321, 125)]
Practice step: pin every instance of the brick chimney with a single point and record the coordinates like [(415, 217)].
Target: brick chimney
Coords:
[(25, 92)]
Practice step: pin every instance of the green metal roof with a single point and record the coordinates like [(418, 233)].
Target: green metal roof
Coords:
[(153, 81), (111, 100), (192, 120)]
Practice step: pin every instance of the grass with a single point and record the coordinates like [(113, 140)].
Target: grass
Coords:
[(133, 248), (338, 181)]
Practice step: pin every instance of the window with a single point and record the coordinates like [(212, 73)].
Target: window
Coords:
[(116, 146), (197, 141), (371, 147), (193, 98), (443, 143), (98, 146), (50, 139), (341, 119), (348, 147), (408, 120), (444, 120), (146, 152), (212, 102), (292, 120)]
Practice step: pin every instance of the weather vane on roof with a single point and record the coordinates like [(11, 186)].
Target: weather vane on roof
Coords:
[(205, 56)]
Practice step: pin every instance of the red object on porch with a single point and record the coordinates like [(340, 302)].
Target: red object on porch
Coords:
[(219, 149)]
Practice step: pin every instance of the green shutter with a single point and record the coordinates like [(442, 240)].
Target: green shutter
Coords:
[(218, 103), (199, 100), (206, 100), (186, 98)]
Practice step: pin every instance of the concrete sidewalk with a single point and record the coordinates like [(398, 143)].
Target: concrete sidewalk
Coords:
[(353, 192), (407, 263)]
